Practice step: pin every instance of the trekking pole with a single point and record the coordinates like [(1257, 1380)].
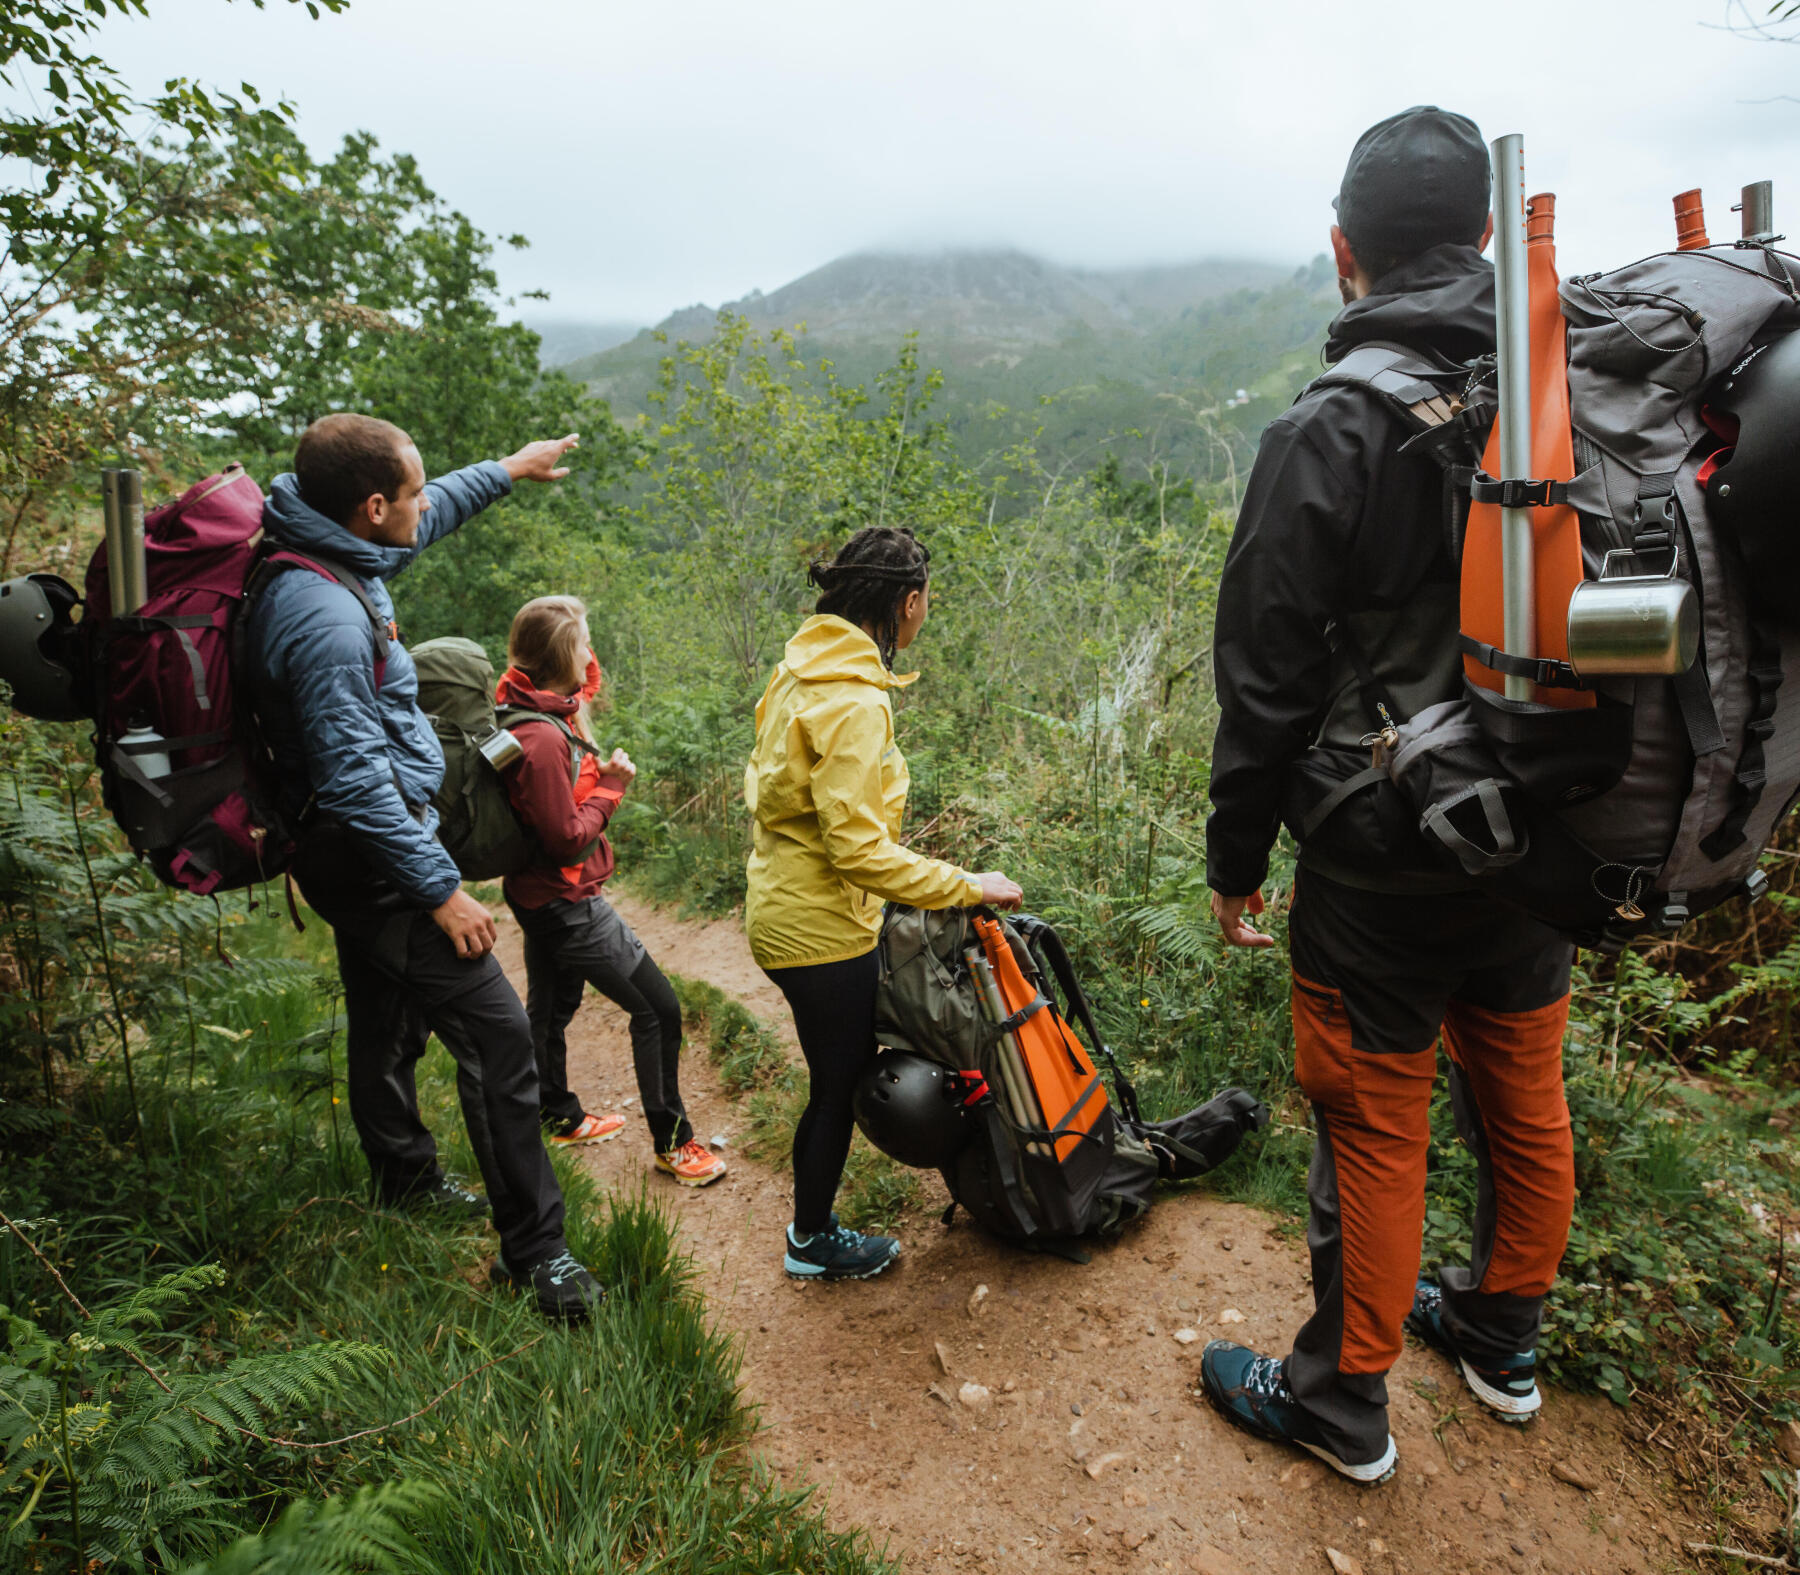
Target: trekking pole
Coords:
[(1007, 1060), (1512, 300)]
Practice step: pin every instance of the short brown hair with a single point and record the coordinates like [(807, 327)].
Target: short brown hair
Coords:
[(344, 459), (545, 642)]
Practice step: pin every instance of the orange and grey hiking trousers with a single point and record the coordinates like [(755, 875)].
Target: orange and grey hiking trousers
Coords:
[(1377, 979)]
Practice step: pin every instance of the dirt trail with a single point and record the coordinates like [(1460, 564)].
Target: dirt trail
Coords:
[(1093, 1451)]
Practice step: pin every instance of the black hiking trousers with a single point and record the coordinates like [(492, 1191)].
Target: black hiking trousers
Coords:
[(568, 946), (403, 982)]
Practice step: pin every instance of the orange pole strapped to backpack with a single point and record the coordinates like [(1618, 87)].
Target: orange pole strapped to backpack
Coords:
[(1556, 531), (1069, 1090), (1690, 222)]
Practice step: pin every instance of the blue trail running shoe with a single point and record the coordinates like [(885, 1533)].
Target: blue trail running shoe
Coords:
[(1252, 1392), (838, 1253), (1510, 1390)]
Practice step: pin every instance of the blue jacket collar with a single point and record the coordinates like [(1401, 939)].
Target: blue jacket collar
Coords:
[(295, 523)]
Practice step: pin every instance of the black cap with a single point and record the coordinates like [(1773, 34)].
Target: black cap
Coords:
[(1417, 179)]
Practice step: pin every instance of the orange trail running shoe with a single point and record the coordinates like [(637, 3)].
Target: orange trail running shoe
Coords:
[(692, 1165), (593, 1129)]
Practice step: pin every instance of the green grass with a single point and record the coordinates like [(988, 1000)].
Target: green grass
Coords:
[(619, 1445)]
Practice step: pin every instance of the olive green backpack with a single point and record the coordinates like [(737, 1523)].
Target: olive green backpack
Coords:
[(476, 822)]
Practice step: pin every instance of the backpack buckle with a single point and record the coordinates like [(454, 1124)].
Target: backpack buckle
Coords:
[(1516, 492), (972, 1088)]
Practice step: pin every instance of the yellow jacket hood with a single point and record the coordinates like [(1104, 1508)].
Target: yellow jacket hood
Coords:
[(827, 648)]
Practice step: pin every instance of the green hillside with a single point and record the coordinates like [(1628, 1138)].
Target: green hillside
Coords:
[(1145, 362)]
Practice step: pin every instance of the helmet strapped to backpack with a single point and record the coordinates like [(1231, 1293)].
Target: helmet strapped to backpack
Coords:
[(1753, 485), (40, 658), (914, 1110)]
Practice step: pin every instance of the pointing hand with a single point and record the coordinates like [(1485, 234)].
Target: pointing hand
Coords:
[(538, 461)]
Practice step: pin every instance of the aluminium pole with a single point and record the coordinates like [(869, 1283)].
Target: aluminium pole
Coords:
[(1757, 204), (133, 569), (115, 543), (1512, 300)]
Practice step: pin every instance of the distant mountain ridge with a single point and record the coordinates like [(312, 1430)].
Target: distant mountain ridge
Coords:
[(1003, 298), (1086, 358)]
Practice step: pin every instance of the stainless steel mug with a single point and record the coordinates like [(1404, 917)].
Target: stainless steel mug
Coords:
[(1633, 624), (500, 749)]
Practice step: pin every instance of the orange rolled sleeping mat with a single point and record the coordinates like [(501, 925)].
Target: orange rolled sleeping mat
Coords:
[(1556, 532), (1062, 1075)]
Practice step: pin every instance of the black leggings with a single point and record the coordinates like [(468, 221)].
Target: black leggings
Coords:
[(834, 1015)]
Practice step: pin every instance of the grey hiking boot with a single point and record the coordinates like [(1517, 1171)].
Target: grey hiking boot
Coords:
[(442, 1198), (563, 1287), (1252, 1392), (1509, 1390)]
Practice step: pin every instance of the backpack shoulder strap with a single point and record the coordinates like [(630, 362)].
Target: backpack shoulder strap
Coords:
[(1447, 409), (1418, 390), (511, 716), (272, 561)]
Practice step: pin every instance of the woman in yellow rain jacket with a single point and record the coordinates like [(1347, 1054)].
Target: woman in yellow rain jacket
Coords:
[(826, 788)]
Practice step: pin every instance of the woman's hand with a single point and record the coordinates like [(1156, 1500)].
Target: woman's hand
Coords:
[(999, 892), (618, 772)]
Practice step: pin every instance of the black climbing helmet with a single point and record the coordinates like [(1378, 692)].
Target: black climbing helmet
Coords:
[(39, 647), (912, 1110), (1754, 492)]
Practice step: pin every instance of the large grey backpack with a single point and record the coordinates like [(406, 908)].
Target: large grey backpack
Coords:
[(1658, 803), (476, 822)]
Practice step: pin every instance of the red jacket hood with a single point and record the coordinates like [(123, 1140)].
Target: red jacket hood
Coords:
[(516, 688)]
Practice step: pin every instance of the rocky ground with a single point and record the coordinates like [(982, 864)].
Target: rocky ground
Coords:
[(980, 1408)]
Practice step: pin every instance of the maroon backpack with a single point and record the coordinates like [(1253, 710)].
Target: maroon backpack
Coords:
[(182, 763)]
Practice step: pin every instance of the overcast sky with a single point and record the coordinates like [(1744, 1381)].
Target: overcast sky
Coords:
[(667, 152)]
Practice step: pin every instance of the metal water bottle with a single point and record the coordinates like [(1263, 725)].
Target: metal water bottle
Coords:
[(143, 745)]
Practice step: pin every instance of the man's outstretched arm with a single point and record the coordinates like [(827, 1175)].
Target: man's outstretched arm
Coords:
[(462, 494)]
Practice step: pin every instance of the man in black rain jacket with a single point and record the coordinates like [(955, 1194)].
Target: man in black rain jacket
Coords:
[(1341, 586)]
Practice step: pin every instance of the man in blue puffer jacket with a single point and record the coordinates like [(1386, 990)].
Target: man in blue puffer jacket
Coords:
[(358, 764)]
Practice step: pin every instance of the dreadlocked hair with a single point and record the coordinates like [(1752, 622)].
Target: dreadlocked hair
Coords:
[(869, 580)]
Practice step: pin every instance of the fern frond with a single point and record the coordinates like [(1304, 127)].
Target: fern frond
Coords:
[(1181, 932), (365, 1530)]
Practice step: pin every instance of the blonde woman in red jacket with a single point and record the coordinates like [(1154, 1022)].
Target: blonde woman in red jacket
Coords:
[(573, 935)]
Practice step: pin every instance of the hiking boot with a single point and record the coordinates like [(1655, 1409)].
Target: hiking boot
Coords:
[(838, 1253), (1252, 1392), (563, 1287), (692, 1164), (1510, 1390), (590, 1129), (442, 1198)]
